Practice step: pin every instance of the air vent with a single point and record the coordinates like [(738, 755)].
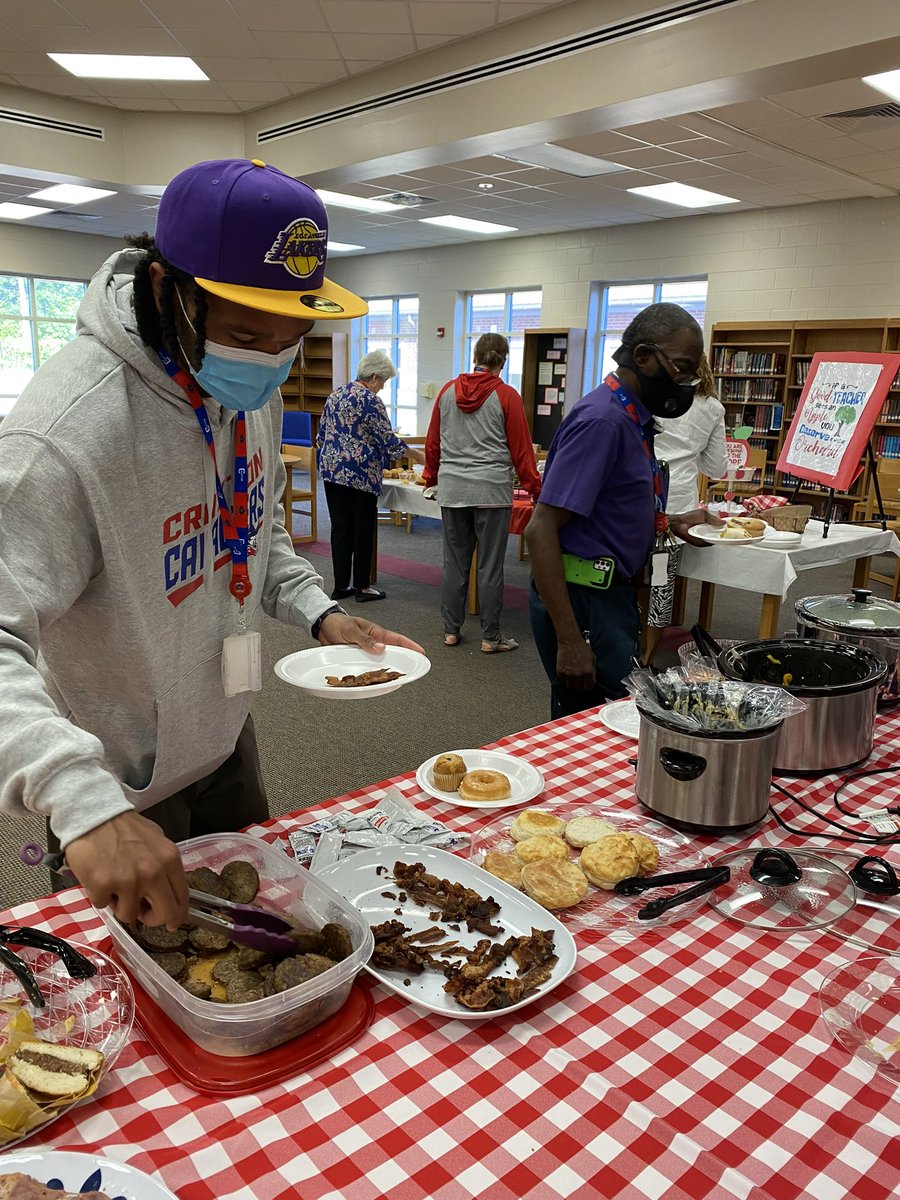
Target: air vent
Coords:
[(607, 35), (50, 124), (875, 116), (405, 199)]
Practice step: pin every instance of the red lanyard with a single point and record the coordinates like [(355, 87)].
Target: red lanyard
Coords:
[(235, 528), (618, 389)]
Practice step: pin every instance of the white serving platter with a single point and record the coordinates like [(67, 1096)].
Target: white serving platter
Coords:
[(307, 670), (525, 781), (75, 1172), (712, 534), (358, 879)]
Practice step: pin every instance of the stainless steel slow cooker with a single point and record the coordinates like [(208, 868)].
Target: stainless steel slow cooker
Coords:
[(703, 781), (862, 620), (838, 683)]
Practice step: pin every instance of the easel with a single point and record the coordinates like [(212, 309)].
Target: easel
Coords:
[(829, 507)]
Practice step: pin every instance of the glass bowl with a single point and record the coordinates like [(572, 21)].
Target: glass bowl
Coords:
[(860, 1004)]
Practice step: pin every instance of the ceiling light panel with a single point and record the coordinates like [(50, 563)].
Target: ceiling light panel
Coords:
[(683, 195), (129, 66), (70, 193), (342, 247), (11, 211), (468, 225), (358, 203), (558, 158), (887, 82)]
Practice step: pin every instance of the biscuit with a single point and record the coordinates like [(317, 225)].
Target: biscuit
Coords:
[(554, 884), (610, 859), (542, 846), (532, 822), (647, 852), (581, 831), (505, 866)]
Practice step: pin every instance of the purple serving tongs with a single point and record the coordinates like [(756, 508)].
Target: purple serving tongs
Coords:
[(246, 924)]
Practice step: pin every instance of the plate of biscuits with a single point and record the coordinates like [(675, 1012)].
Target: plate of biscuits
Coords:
[(569, 856), (480, 779)]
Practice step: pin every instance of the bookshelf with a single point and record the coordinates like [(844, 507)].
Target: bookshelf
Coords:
[(544, 386), (322, 366), (760, 369)]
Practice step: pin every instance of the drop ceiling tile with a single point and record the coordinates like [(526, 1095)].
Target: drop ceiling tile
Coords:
[(222, 43), (651, 156), (256, 92), (830, 97), (39, 12), (749, 114), (312, 74), (211, 106), (880, 139), (196, 14), (111, 14), (155, 40), (697, 147), (67, 39), (369, 16), (375, 47), (653, 132), (37, 65), (602, 143), (428, 41), (235, 70), (299, 16), (79, 88), (457, 19)]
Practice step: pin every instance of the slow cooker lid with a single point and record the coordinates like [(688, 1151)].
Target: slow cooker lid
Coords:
[(771, 889), (860, 613)]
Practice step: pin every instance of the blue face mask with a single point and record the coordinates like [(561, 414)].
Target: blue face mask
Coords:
[(243, 380)]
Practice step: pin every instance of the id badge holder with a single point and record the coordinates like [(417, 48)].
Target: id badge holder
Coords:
[(242, 662), (659, 567)]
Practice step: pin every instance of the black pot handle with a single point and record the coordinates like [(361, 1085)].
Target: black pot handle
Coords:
[(775, 868), (875, 875), (680, 765)]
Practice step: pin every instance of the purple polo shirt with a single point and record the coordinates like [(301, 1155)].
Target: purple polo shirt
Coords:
[(598, 471)]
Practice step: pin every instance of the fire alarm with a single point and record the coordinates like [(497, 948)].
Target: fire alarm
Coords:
[(440, 331)]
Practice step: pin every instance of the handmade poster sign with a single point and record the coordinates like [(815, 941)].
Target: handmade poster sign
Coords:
[(838, 408)]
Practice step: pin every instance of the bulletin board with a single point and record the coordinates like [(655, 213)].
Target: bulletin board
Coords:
[(551, 366), (836, 413)]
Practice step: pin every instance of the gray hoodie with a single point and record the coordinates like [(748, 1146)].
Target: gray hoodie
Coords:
[(114, 598)]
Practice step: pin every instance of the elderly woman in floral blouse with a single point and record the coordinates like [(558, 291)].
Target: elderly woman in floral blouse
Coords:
[(355, 444)]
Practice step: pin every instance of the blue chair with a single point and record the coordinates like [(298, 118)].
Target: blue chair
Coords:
[(296, 428)]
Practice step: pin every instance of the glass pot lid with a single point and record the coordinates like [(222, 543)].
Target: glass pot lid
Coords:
[(860, 613), (771, 889)]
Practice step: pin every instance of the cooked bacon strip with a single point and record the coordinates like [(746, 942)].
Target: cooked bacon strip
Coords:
[(366, 679)]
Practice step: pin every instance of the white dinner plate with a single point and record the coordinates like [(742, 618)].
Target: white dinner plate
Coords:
[(358, 879), (621, 716), (708, 533), (71, 1171), (781, 539), (307, 669), (525, 781), (601, 910)]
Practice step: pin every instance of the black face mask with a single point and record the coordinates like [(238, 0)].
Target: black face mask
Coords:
[(660, 394)]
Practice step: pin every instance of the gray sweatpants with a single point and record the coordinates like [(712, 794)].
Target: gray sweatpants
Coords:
[(464, 529)]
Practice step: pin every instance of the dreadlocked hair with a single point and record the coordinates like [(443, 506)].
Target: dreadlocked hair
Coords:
[(156, 326)]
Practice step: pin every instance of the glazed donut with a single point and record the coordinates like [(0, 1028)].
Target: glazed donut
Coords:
[(485, 785)]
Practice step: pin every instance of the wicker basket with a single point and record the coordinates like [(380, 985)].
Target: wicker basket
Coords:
[(789, 518)]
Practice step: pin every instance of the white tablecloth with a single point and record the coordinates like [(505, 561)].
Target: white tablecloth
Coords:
[(408, 498), (771, 572)]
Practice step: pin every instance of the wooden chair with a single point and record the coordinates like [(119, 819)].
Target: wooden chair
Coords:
[(303, 459)]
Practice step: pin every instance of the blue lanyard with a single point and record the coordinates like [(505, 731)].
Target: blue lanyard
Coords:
[(619, 390)]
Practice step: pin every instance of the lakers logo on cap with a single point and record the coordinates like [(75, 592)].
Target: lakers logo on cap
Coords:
[(300, 248)]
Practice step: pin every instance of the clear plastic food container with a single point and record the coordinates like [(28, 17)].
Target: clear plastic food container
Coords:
[(236, 1030)]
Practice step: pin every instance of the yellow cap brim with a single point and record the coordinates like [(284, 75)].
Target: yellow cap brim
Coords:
[(327, 303)]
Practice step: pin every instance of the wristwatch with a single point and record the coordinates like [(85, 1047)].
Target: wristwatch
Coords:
[(316, 626)]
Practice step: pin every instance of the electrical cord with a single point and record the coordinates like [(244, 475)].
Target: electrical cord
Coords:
[(881, 839)]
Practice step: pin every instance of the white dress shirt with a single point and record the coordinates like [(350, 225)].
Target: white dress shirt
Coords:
[(691, 445)]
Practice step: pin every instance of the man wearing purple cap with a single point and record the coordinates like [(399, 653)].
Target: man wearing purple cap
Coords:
[(143, 541)]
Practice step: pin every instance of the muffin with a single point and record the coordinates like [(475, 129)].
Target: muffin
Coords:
[(448, 772)]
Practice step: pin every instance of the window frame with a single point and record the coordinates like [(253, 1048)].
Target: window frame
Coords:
[(33, 320), (389, 393), (599, 331), (469, 338)]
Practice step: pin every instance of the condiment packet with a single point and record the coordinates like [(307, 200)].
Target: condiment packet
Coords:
[(394, 819)]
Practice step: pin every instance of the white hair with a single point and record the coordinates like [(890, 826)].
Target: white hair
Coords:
[(376, 362)]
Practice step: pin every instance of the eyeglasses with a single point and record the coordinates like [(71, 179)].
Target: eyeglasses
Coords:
[(680, 377)]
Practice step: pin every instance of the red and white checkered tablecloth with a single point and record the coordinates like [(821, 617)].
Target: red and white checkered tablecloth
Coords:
[(686, 1064)]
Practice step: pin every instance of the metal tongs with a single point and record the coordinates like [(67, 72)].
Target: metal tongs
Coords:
[(75, 963), (705, 879), (246, 924)]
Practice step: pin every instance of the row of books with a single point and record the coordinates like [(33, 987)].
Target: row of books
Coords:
[(891, 409), (728, 361), (801, 373), (888, 446), (749, 389)]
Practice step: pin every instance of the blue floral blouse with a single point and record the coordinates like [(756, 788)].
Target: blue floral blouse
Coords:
[(356, 441)]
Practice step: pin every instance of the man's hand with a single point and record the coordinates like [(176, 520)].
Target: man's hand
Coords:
[(129, 865), (576, 666), (342, 630), (680, 523)]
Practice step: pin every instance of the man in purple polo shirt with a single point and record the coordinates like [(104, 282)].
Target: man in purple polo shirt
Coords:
[(602, 507)]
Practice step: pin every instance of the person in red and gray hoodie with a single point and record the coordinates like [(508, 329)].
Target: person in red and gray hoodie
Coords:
[(477, 437)]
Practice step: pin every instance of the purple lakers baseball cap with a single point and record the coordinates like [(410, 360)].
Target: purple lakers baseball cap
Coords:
[(252, 234)]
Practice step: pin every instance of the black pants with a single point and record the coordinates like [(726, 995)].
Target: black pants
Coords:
[(352, 514), (229, 799)]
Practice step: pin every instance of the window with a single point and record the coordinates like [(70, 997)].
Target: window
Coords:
[(37, 317), (392, 325), (508, 313), (618, 303)]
